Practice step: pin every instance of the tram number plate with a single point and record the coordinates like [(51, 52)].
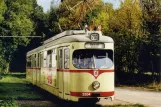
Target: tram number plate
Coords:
[(86, 94)]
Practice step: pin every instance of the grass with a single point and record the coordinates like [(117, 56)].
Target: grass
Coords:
[(14, 78), (14, 86)]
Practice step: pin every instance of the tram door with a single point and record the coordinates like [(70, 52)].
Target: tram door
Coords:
[(63, 69), (66, 73), (60, 72)]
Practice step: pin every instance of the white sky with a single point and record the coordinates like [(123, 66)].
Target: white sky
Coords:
[(46, 3)]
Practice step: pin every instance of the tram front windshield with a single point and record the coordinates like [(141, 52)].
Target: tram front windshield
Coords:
[(91, 59)]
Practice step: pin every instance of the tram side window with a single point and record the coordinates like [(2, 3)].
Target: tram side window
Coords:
[(45, 59), (28, 61), (39, 60), (54, 58), (60, 59), (32, 61), (66, 58), (49, 58), (35, 62), (38, 55)]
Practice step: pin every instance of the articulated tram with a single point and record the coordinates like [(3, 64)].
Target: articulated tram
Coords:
[(74, 65)]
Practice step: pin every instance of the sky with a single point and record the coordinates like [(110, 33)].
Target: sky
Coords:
[(46, 3)]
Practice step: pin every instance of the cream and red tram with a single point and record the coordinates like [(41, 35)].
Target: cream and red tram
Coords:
[(74, 65)]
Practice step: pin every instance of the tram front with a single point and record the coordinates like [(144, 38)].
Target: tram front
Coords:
[(92, 74)]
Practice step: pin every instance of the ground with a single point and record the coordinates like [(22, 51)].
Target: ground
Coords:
[(149, 98)]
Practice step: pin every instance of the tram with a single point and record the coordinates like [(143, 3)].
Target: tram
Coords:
[(74, 65)]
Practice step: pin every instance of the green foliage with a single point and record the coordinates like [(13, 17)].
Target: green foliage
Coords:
[(152, 16), (127, 19), (8, 103), (18, 18), (71, 13), (2, 10), (152, 24)]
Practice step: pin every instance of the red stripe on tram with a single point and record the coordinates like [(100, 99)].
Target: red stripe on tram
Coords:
[(89, 94), (95, 73)]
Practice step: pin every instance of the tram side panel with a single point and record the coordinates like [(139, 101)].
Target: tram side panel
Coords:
[(29, 74)]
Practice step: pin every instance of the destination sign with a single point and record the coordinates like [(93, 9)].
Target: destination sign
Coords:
[(94, 45)]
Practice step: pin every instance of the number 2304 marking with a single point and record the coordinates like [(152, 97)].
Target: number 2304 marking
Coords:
[(86, 94)]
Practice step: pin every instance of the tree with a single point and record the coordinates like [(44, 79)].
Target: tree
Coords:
[(128, 18), (71, 13), (102, 16), (151, 28), (17, 22)]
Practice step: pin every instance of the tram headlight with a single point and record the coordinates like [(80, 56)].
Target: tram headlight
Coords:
[(95, 85)]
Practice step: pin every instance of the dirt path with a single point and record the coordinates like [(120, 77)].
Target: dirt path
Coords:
[(152, 99), (114, 102)]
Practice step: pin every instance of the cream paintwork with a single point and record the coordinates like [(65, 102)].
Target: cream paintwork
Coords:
[(85, 80), (67, 81)]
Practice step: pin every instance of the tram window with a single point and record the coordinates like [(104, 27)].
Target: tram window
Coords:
[(41, 60), (66, 58), (45, 59), (88, 58), (38, 60), (49, 58), (32, 61), (54, 58), (28, 61), (60, 59), (35, 61)]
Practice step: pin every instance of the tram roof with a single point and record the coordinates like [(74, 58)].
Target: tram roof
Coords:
[(72, 36)]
